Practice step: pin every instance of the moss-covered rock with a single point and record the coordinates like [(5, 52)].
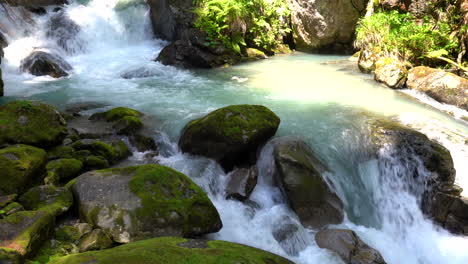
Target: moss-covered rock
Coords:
[(21, 166), (95, 240), (112, 152), (176, 251), (142, 202), (391, 72), (230, 135), (6, 199), (302, 178), (116, 114), (128, 125), (53, 200), (11, 209), (22, 233), (62, 170), (31, 123), (67, 234)]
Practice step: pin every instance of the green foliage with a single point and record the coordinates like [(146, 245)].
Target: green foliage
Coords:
[(393, 33), (239, 23)]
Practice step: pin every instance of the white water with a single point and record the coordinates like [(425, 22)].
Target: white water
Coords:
[(325, 104)]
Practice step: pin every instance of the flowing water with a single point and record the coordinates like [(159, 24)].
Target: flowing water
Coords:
[(324, 103)]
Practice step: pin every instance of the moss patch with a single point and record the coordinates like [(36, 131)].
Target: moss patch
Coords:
[(62, 170), (169, 250), (116, 114), (50, 199)]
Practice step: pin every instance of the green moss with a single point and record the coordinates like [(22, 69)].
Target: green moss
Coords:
[(112, 152), (116, 114), (67, 234), (50, 199), (53, 250), (96, 163), (95, 240), (172, 250), (128, 125), (12, 208), (61, 170), (21, 166), (61, 152), (31, 123)]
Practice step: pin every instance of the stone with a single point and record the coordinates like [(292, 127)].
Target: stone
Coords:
[(31, 123), (230, 135), (41, 63), (443, 86), (36, 3), (113, 152), (242, 183), (301, 176), (391, 72), (288, 234), (12, 208), (176, 251), (142, 202), (95, 240), (347, 245), (21, 167), (62, 170), (366, 61), (53, 200), (65, 32)]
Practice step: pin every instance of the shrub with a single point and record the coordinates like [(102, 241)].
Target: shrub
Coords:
[(241, 23), (393, 33)]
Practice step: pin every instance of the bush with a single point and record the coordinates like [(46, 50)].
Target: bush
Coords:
[(241, 23), (392, 33)]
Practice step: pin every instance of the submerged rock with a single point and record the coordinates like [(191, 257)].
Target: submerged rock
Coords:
[(391, 72), (41, 63), (348, 246), (230, 135), (242, 183), (21, 166), (289, 235), (176, 251), (442, 86), (142, 202), (301, 177), (31, 123), (65, 32)]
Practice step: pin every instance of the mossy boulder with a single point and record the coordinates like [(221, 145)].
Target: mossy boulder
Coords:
[(128, 125), (53, 200), (62, 170), (230, 135), (113, 152), (116, 114), (21, 167), (391, 72), (11, 208), (176, 251), (22, 233), (31, 123), (302, 179), (143, 202), (95, 240), (443, 86)]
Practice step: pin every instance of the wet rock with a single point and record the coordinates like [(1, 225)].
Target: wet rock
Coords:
[(144, 143), (22, 233), (450, 211), (21, 166), (65, 32), (366, 61), (141, 202), (41, 63), (36, 3), (75, 109), (324, 23), (255, 54), (142, 72), (177, 251), (301, 176), (62, 170), (230, 135), (170, 19), (50, 199), (31, 123), (348, 246), (113, 152), (116, 114), (391, 72), (288, 234), (241, 183), (442, 86), (96, 240)]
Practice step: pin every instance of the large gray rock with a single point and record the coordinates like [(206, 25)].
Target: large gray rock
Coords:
[(348, 246), (41, 63), (324, 23), (442, 86), (301, 177), (143, 202), (171, 19), (230, 135)]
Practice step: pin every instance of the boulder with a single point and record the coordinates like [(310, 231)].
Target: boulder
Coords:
[(22, 233), (113, 152), (21, 166), (36, 3), (53, 200), (450, 211), (242, 183), (324, 23), (11, 209), (116, 114), (391, 72), (31, 123), (176, 251), (289, 235), (62, 170), (348, 246), (171, 19), (41, 63), (95, 240), (443, 86), (301, 176), (142, 202), (65, 32), (230, 135)]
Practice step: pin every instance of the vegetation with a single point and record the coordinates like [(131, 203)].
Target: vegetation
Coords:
[(240, 23), (394, 33)]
